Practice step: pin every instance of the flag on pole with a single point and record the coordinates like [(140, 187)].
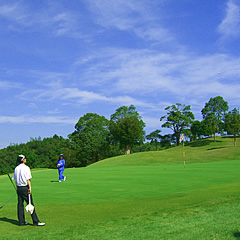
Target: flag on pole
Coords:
[(181, 138)]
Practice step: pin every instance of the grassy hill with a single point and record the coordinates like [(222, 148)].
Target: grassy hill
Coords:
[(139, 196), (200, 151)]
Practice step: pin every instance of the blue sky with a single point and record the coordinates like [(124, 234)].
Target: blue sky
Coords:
[(63, 59)]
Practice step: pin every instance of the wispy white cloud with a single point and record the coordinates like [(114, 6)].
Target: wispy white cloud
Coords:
[(62, 23), (36, 119), (43, 78), (128, 16), (74, 95), (127, 76), (152, 122), (57, 20), (136, 70), (131, 16), (4, 85), (118, 14), (124, 77), (147, 72), (51, 86), (155, 34), (55, 111), (15, 13), (230, 25), (129, 70)]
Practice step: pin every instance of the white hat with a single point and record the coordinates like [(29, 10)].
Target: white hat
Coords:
[(20, 158)]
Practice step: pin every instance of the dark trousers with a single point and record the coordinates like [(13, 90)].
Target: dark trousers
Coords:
[(23, 196)]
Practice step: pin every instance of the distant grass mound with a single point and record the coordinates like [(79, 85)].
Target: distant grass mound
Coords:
[(205, 150)]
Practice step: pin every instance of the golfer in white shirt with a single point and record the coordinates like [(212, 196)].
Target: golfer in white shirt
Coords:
[(22, 176)]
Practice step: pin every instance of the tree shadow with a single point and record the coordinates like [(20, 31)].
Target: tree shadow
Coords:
[(200, 143), (214, 148), (236, 235), (230, 137), (12, 221)]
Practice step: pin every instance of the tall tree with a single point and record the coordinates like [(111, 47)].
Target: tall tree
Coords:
[(199, 129), (178, 118), (232, 123), (154, 136), (90, 137), (127, 127), (213, 114), (167, 140)]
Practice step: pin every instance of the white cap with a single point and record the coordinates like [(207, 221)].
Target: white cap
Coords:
[(21, 157)]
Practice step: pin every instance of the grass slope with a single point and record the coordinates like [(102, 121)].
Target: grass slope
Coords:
[(200, 151), (129, 198)]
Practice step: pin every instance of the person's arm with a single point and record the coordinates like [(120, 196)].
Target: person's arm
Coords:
[(29, 186)]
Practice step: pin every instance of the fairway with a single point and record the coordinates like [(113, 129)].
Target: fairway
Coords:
[(165, 201), (95, 200)]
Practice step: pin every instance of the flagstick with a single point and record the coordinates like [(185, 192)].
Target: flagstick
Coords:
[(183, 154)]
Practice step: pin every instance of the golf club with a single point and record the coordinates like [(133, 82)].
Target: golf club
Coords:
[(8, 201), (12, 196), (12, 182), (10, 178)]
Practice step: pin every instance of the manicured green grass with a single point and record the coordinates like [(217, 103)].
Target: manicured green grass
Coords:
[(196, 152), (140, 196)]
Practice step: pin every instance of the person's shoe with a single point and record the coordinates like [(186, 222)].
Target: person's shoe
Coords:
[(23, 224), (60, 181), (64, 179), (39, 224)]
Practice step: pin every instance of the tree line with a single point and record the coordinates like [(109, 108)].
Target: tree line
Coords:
[(96, 138)]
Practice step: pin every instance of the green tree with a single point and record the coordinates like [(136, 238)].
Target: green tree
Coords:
[(127, 127), (154, 136), (213, 114), (166, 140), (232, 123), (199, 129), (178, 118), (40, 153), (90, 137)]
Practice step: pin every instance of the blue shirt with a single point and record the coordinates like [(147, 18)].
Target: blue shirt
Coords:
[(62, 163)]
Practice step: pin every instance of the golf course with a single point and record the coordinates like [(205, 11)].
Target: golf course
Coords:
[(149, 195)]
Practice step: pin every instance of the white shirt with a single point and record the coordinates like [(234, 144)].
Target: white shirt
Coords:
[(22, 173)]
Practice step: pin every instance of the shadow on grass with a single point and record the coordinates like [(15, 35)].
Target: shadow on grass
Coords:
[(236, 235), (214, 148), (230, 137), (12, 221), (54, 181), (200, 143)]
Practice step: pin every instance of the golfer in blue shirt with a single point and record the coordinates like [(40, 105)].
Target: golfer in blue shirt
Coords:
[(61, 166)]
